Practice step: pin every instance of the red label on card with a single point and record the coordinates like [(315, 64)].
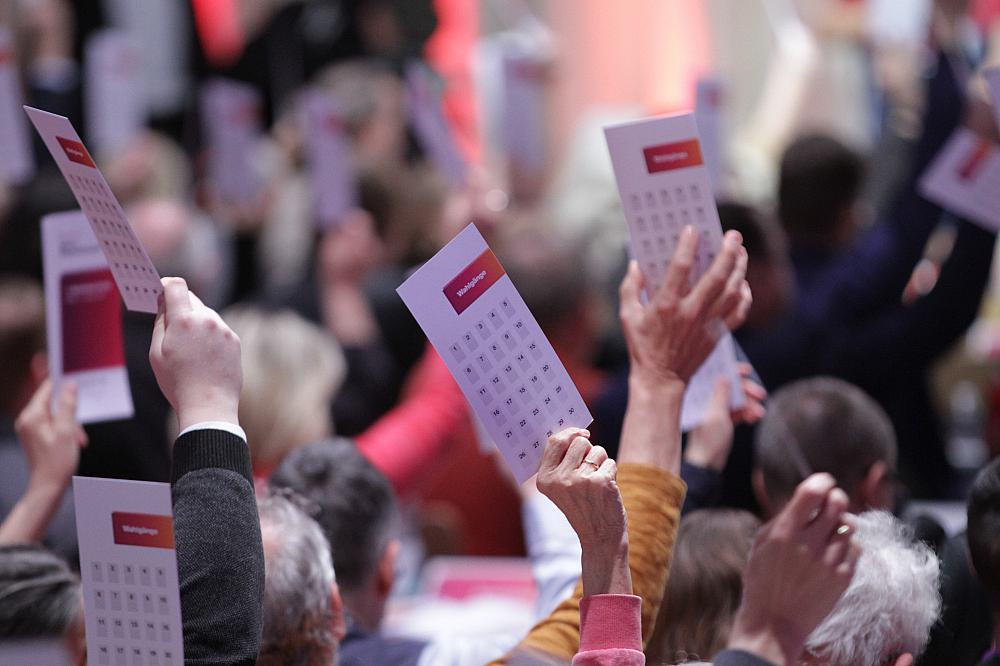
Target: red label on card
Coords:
[(975, 160), (76, 152), (143, 529), (671, 156), (91, 321), (476, 278)]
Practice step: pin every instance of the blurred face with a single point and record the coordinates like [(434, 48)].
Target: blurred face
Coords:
[(773, 288)]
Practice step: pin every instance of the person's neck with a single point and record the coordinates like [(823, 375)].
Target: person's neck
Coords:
[(364, 608)]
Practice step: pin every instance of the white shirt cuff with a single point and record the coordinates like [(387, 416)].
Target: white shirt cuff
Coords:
[(231, 428)]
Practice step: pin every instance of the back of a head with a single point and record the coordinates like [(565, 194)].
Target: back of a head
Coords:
[(819, 182), (22, 335), (769, 270), (891, 603), (983, 530), (299, 616), (821, 424), (355, 503), (292, 370), (705, 585), (39, 596)]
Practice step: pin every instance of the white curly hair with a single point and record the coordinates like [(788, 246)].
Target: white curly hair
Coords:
[(891, 603)]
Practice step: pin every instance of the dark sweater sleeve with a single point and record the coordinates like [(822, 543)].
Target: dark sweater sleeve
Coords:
[(739, 658), (220, 557)]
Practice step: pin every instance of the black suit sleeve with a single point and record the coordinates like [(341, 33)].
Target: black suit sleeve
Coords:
[(739, 658), (220, 557)]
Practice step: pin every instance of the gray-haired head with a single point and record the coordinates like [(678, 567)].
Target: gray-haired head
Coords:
[(355, 504), (300, 608), (39, 595), (891, 603)]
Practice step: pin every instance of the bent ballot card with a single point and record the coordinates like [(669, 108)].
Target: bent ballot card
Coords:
[(83, 320), (137, 279), (479, 324), (665, 186), (963, 178), (128, 566)]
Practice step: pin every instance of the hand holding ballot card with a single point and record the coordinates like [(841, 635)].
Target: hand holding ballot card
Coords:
[(506, 368), (665, 190), (137, 279), (83, 319), (128, 566)]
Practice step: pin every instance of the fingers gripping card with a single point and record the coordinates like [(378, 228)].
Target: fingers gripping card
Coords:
[(137, 279), (506, 368), (665, 186), (128, 566), (963, 178), (83, 319)]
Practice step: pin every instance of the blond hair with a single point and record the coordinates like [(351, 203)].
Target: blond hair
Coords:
[(292, 370)]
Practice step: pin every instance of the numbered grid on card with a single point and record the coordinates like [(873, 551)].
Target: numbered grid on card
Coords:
[(132, 614)]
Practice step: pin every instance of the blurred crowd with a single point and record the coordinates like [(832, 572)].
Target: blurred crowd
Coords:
[(867, 354)]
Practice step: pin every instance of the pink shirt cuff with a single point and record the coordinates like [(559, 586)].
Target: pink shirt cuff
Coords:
[(610, 630)]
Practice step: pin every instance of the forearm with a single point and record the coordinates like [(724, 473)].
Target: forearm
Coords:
[(605, 568), (651, 430), (652, 499), (30, 517), (220, 557)]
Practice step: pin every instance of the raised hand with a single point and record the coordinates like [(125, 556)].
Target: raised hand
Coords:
[(670, 337), (50, 436), (801, 563), (196, 358), (579, 478)]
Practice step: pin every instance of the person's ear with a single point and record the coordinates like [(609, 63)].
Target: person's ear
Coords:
[(905, 659), (760, 492), (875, 490), (386, 574), (337, 608)]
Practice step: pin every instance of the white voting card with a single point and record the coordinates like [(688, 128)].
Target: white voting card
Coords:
[(113, 94), (992, 76), (708, 98), (964, 178), (34, 652), (137, 279), (330, 158), (128, 566), (18, 163), (664, 186), (524, 112), (475, 318), (83, 320), (231, 115), (428, 121)]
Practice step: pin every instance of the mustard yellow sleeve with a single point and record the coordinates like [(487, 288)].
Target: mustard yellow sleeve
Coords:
[(653, 500)]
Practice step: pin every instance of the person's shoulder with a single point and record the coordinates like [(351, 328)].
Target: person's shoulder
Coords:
[(359, 647)]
